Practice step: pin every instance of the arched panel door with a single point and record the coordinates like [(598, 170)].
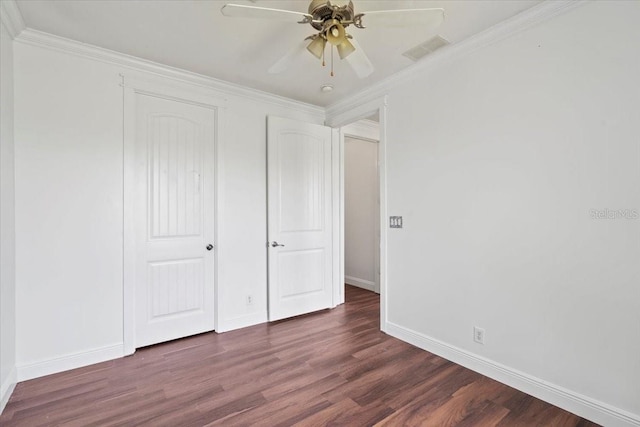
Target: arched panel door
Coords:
[(173, 211), (300, 217)]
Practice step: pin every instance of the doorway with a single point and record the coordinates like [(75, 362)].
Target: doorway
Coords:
[(341, 117), (362, 205)]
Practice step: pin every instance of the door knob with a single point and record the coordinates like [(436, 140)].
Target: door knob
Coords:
[(275, 244), (209, 246)]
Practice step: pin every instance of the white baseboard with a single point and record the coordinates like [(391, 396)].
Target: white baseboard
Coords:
[(239, 322), (360, 283), (69, 361), (571, 401), (7, 388)]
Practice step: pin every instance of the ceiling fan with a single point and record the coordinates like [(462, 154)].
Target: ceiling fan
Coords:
[(329, 19)]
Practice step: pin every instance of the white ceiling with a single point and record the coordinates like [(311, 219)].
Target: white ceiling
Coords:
[(193, 35)]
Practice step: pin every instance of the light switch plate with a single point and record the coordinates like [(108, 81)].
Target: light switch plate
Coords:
[(395, 222)]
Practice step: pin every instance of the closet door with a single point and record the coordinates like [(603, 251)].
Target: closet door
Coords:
[(173, 217)]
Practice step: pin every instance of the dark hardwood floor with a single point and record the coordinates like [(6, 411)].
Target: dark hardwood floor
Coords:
[(328, 368)]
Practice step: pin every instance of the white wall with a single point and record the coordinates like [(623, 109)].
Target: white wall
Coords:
[(242, 217), (362, 213), (69, 202), (7, 222), (496, 160), (68, 206)]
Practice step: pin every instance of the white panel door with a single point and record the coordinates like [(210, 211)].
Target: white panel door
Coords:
[(300, 222), (174, 207)]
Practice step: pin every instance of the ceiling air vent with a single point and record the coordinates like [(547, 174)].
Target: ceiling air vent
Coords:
[(425, 48)]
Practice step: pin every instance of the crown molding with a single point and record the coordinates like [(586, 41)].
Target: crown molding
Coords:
[(505, 29), (84, 50), (11, 17)]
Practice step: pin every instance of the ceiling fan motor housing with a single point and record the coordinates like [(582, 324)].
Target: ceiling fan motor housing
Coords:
[(323, 10)]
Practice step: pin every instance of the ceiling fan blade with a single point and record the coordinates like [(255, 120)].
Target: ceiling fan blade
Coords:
[(430, 18), (359, 61), (243, 11), (284, 62)]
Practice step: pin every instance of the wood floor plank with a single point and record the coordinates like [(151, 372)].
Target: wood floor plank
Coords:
[(330, 368)]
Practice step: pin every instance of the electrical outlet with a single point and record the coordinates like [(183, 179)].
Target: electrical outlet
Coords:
[(478, 335), (249, 299)]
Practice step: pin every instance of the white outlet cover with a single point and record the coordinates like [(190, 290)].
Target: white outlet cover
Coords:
[(478, 335)]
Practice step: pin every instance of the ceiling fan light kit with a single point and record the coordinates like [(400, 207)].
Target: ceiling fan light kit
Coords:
[(334, 32), (345, 48), (316, 47), (330, 18)]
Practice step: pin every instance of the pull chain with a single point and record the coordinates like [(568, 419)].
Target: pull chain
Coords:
[(331, 61)]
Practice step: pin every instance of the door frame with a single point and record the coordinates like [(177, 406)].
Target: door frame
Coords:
[(346, 116), (174, 91)]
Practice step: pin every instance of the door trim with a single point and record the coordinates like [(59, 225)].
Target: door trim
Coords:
[(363, 111), (337, 212), (174, 91)]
